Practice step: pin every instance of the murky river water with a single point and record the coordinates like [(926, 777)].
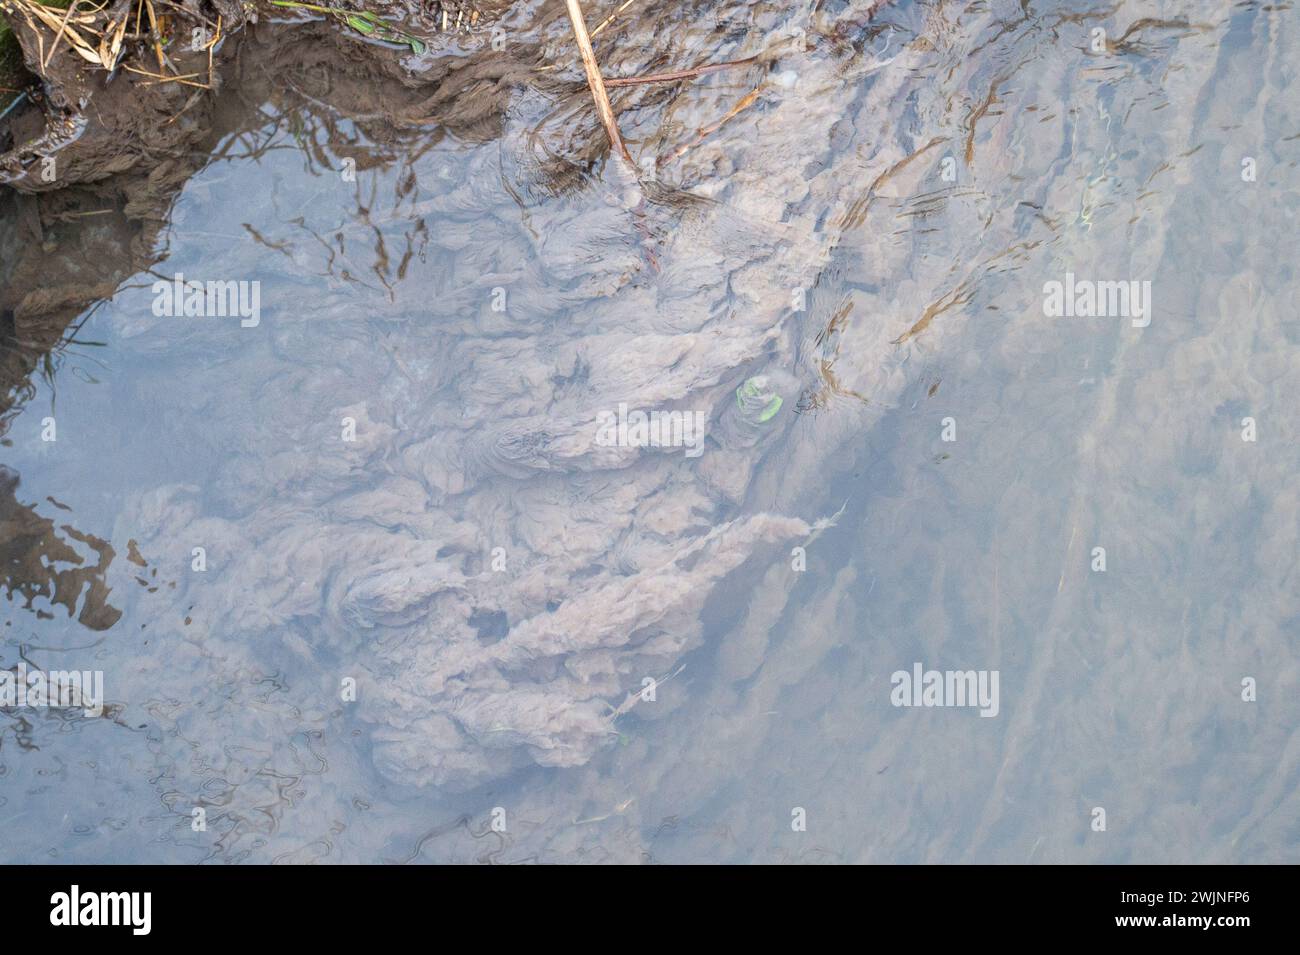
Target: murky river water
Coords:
[(366, 584)]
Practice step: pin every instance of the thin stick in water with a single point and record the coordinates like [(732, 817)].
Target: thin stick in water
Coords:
[(677, 74), (595, 81)]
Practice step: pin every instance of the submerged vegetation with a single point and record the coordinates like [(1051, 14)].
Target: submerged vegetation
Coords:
[(364, 22)]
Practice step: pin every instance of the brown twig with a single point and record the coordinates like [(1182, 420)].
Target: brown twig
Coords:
[(67, 15), (746, 102), (595, 80), (156, 78), (677, 74)]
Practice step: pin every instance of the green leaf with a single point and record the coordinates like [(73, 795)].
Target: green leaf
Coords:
[(772, 408), (360, 24)]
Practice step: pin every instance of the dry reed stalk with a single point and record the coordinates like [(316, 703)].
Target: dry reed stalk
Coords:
[(158, 78), (153, 26), (595, 80), (63, 26)]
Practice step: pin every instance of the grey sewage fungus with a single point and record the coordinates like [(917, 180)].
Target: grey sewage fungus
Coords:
[(480, 438)]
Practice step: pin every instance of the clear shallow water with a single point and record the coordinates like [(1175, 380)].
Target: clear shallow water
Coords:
[(1119, 690)]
